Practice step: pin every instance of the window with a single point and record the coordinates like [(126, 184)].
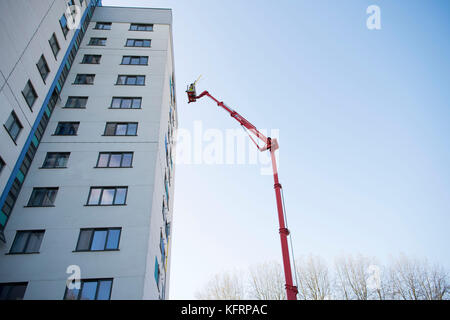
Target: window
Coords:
[(54, 45), (93, 289), (135, 60), (67, 128), (131, 80), (84, 79), (29, 94), (43, 68), (2, 164), (13, 126), (107, 196), (121, 129), (162, 247), (167, 229), (100, 239), (126, 103), (97, 42), (138, 43), (91, 58), (63, 24), (12, 291), (115, 160), (56, 160), (103, 26), (167, 189), (157, 272), (27, 241), (43, 197), (76, 102), (141, 27)]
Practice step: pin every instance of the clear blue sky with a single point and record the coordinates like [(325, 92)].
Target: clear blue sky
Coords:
[(364, 120)]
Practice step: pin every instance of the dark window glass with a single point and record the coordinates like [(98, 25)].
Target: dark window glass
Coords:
[(29, 94), (13, 126), (42, 197), (56, 160), (130, 80), (97, 42), (12, 291), (84, 240), (126, 103), (99, 239), (43, 68), (135, 60), (27, 241), (121, 79), (121, 129), (91, 58), (54, 45), (63, 24), (110, 129), (84, 79), (20, 242), (114, 159), (138, 42), (76, 102), (67, 128), (94, 289), (141, 27), (103, 25), (104, 196), (2, 164), (34, 241)]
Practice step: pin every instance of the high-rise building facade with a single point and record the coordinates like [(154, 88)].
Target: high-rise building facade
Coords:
[(86, 156)]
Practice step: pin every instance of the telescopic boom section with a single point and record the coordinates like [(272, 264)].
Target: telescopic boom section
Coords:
[(272, 145)]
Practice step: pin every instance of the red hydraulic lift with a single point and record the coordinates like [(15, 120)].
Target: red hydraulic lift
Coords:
[(272, 146)]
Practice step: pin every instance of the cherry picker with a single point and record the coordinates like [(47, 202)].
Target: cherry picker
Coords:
[(271, 145)]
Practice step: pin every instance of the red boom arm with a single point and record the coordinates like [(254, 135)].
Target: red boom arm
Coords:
[(272, 145)]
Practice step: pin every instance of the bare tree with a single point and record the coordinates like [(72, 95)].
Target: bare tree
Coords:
[(352, 277), (414, 279), (313, 279), (266, 282), (359, 278), (228, 286)]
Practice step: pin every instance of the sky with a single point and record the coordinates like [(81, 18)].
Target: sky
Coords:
[(363, 118)]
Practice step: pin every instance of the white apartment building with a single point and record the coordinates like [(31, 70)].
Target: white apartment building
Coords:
[(86, 151)]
